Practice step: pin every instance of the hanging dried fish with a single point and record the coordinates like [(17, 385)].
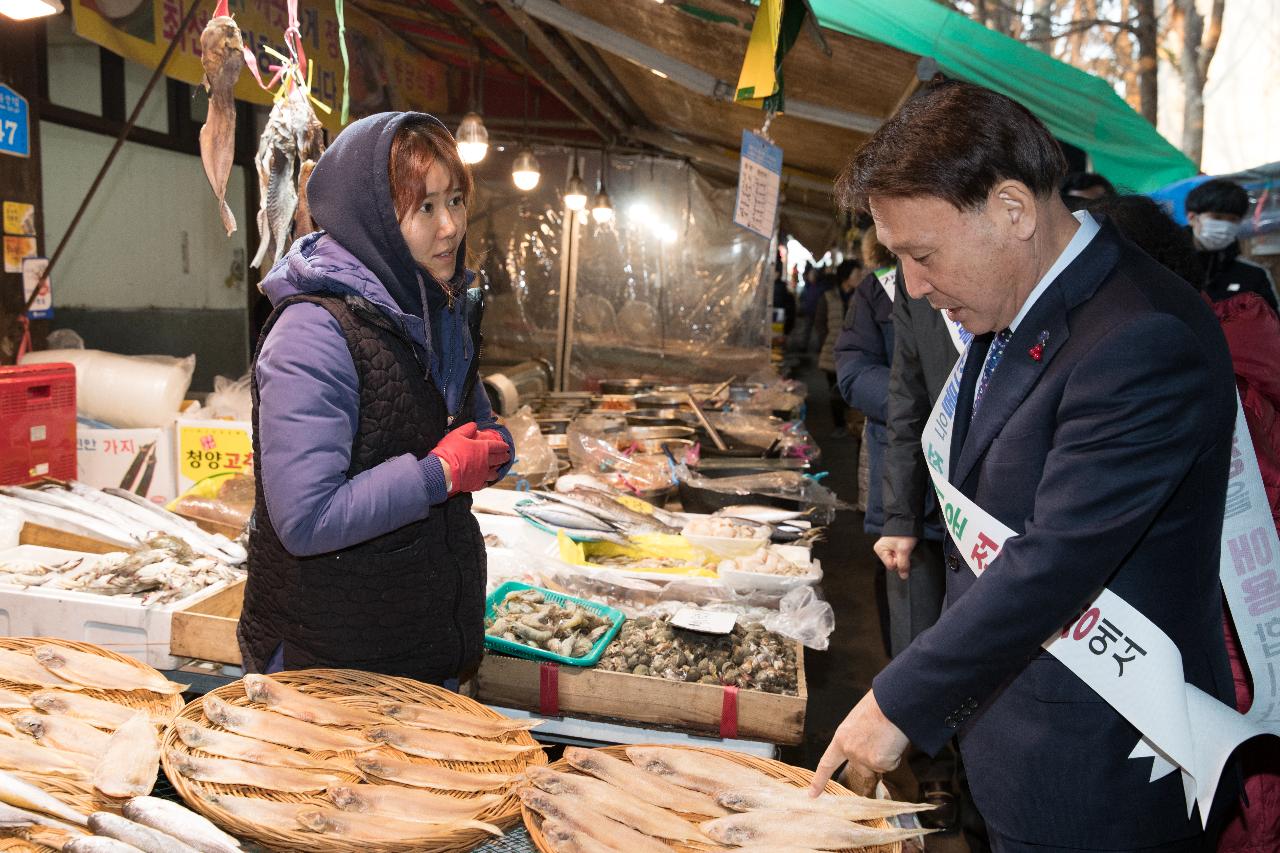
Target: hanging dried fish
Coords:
[(292, 131), (222, 55)]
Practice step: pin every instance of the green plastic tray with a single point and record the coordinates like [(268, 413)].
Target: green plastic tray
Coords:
[(519, 650)]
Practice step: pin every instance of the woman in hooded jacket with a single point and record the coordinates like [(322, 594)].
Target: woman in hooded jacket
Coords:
[(370, 425)]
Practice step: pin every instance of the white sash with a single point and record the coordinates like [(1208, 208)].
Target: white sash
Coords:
[(1123, 655)]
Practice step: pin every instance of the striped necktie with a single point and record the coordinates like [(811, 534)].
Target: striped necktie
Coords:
[(989, 366)]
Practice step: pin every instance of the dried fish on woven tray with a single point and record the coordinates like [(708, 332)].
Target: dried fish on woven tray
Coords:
[(525, 616), (749, 657)]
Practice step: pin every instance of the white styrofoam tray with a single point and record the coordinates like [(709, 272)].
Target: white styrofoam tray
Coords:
[(117, 622)]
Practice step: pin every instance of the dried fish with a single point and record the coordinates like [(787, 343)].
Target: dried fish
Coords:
[(445, 720), (292, 130), (12, 817), (778, 828), (749, 657), (97, 844), (567, 839), (181, 823), (222, 56), (585, 819), (377, 766), (697, 770), (132, 760), (617, 803), (444, 746), (355, 826), (229, 745), (526, 616), (288, 700), (22, 668), (256, 810), (98, 713), (11, 701), (228, 771), (24, 795), (782, 796), (302, 221), (638, 783), (31, 757), (277, 728), (144, 838), (406, 803), (90, 670), (63, 733)]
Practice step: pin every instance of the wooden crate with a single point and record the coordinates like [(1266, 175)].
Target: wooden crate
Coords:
[(37, 534), (623, 697), (207, 629)]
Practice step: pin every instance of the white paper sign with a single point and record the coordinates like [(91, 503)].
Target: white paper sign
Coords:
[(705, 621), (759, 178), (32, 273)]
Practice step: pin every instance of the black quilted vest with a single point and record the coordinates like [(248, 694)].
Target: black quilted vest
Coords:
[(408, 603)]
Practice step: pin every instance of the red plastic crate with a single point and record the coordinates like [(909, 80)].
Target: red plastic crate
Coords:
[(37, 423)]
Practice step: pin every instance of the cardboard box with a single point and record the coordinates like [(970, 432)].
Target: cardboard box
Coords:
[(205, 448), (139, 460)]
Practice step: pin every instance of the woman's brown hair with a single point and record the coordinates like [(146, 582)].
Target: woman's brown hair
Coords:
[(418, 144)]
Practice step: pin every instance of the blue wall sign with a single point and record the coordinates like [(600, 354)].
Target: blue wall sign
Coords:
[(15, 123)]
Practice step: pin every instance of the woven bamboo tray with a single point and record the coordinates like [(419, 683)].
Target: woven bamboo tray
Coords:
[(79, 794), (784, 772), (358, 690)]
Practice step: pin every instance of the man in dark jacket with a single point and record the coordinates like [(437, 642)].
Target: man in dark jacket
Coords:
[(1214, 211)]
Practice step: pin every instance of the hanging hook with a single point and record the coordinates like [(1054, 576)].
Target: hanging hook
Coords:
[(764, 128)]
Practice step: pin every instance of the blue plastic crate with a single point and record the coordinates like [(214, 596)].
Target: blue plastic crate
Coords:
[(519, 650)]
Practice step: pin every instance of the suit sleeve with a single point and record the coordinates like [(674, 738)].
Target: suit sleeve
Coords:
[(1135, 414), (309, 400), (862, 364), (907, 408)]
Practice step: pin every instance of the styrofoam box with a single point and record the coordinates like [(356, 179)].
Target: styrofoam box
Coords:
[(119, 623), (104, 458)]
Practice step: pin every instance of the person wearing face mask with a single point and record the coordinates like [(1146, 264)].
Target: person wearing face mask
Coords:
[(370, 427), (1214, 211)]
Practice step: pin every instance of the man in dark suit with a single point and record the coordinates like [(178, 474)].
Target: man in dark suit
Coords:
[(1094, 419)]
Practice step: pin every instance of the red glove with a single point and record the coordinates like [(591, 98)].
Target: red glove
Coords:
[(471, 461)]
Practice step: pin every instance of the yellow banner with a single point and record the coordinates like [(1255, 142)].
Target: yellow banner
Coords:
[(386, 72), (757, 79)]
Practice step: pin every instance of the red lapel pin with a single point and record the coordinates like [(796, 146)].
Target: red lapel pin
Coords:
[(1037, 351)]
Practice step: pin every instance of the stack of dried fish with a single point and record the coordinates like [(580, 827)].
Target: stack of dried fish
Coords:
[(748, 657), (340, 753), (152, 824), (664, 795), (525, 616)]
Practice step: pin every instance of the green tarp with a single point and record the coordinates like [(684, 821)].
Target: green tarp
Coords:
[(1077, 107)]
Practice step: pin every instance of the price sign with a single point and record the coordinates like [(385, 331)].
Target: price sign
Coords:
[(706, 621), (33, 278), (15, 123), (759, 178)]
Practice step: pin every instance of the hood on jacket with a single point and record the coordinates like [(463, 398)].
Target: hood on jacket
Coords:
[(350, 197)]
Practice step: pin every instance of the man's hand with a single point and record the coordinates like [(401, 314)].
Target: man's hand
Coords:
[(868, 741), (895, 553)]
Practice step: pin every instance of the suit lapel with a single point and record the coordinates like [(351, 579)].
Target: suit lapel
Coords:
[(964, 405)]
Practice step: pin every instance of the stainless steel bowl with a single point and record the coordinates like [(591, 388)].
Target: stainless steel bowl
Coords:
[(661, 401), (645, 432), (655, 417), (624, 386)]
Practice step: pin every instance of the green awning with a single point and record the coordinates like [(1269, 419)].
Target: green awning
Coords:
[(1076, 107)]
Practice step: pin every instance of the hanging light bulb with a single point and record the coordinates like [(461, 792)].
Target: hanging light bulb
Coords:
[(602, 208), (525, 172), (473, 139), (25, 10), (575, 192)]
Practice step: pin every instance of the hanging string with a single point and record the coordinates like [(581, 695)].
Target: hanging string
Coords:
[(339, 7)]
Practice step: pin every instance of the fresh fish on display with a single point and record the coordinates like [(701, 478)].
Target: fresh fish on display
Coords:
[(146, 839), (28, 756), (411, 804), (89, 670), (444, 720), (62, 499), (760, 512), (13, 817), (616, 803), (63, 733), (783, 797), (22, 668), (213, 545), (292, 132), (773, 829), (433, 776), (279, 729), (58, 518), (699, 771), (227, 771), (181, 823), (288, 700), (97, 844), (229, 745), (586, 819), (445, 747), (638, 783), (24, 795), (580, 523), (355, 826), (525, 616), (132, 760), (222, 56), (98, 713), (606, 508)]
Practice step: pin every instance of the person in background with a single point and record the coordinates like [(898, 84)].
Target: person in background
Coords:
[(809, 296), (1214, 212), (1253, 337), (1079, 188), (831, 317), (370, 424), (783, 298)]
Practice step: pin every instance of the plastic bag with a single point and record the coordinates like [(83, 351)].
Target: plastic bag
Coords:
[(230, 398), (226, 500), (782, 395), (535, 460), (804, 617), (125, 391), (593, 449), (788, 485)]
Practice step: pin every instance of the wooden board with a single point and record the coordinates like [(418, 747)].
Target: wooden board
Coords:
[(207, 629), (622, 697), (37, 534)]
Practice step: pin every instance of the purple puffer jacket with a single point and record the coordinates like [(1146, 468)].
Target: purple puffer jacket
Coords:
[(309, 400)]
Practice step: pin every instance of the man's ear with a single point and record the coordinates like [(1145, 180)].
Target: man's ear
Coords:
[(1012, 208)]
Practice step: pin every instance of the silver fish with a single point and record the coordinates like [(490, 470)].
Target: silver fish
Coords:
[(12, 817), (604, 507), (17, 792), (181, 823), (570, 518), (144, 838), (213, 545), (760, 512), (65, 520), (98, 844)]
